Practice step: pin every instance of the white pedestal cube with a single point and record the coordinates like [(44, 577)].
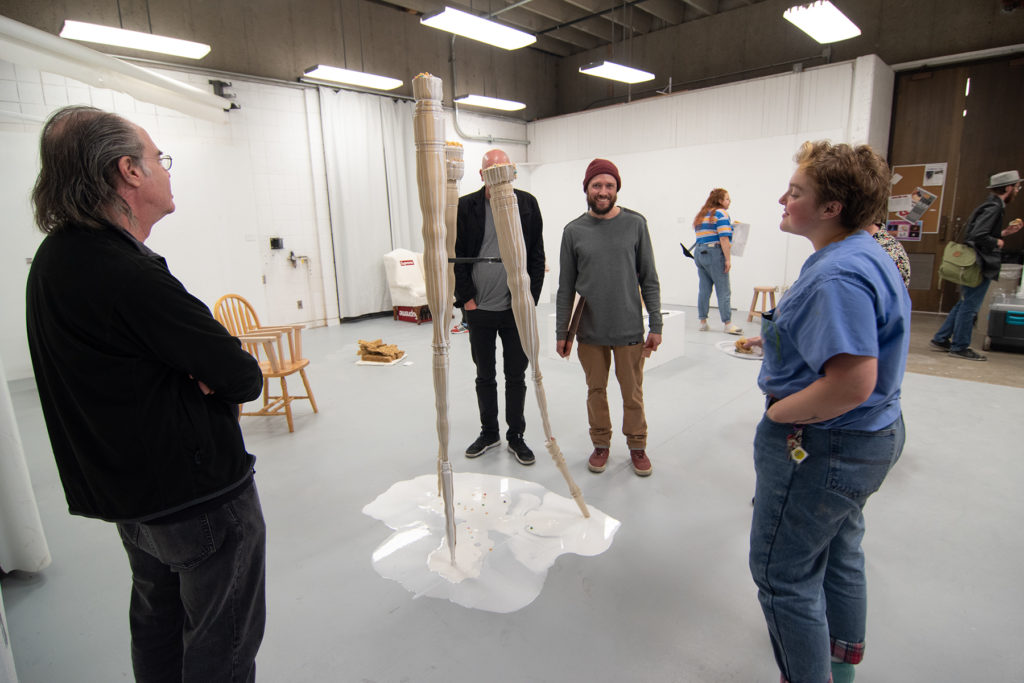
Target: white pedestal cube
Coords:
[(673, 336)]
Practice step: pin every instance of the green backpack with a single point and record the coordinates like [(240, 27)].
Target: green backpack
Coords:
[(960, 265)]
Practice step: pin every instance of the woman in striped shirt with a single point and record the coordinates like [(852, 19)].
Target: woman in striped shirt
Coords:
[(714, 233)]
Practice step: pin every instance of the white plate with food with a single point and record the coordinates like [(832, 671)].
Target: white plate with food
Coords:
[(383, 363), (731, 348)]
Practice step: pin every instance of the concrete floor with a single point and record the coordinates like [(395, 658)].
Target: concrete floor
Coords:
[(671, 600)]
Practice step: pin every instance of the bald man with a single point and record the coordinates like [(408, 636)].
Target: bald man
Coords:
[(481, 290)]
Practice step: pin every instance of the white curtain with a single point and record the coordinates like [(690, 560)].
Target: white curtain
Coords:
[(400, 164), (371, 184), (22, 543)]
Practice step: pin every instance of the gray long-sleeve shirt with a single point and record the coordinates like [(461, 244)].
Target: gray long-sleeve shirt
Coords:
[(610, 262)]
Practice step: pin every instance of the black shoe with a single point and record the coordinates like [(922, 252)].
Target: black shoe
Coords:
[(967, 354), (482, 444), (943, 345), (518, 448)]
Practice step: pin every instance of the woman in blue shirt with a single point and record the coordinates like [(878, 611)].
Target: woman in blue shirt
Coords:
[(835, 350), (711, 252)]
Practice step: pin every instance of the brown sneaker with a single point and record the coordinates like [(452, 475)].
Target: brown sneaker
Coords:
[(598, 460), (641, 463)]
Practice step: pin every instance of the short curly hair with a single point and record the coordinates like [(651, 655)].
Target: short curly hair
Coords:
[(856, 177)]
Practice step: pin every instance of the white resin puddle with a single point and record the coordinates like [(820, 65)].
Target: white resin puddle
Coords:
[(509, 533)]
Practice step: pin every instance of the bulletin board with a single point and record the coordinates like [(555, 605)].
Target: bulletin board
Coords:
[(915, 200)]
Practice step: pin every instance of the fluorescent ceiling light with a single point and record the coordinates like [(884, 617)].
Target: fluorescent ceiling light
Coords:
[(822, 21), (616, 72), (490, 102), (108, 35), (335, 74), (478, 28), (30, 47)]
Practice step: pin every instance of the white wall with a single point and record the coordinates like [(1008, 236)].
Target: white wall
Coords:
[(237, 183), (18, 156), (673, 150), (260, 174)]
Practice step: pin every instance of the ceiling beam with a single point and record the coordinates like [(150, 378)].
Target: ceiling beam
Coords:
[(614, 12), (527, 18), (669, 11), (706, 7)]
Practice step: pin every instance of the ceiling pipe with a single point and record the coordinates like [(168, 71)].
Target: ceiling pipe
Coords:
[(959, 58), (22, 44), (489, 139)]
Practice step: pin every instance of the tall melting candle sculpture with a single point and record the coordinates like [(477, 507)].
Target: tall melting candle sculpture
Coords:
[(508, 225), (455, 167), (431, 174)]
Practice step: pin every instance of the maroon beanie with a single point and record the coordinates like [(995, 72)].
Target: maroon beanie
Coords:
[(599, 166)]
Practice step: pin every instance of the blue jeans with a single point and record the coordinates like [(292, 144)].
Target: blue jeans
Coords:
[(711, 271), (805, 539), (959, 324), (198, 606)]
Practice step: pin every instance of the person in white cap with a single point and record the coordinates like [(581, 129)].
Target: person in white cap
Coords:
[(984, 233)]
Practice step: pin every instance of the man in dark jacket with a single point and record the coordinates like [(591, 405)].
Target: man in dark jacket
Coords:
[(984, 233), (481, 290), (140, 387)]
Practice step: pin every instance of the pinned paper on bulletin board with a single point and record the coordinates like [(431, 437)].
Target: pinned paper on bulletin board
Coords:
[(915, 199), (906, 231)]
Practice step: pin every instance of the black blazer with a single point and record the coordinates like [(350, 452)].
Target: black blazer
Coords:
[(984, 228), (470, 236), (114, 339)]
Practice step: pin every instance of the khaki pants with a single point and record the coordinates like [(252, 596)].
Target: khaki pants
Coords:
[(629, 371)]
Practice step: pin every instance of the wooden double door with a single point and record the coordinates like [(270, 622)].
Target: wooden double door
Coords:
[(970, 116)]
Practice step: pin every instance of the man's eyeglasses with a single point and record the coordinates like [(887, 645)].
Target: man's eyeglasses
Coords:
[(165, 161)]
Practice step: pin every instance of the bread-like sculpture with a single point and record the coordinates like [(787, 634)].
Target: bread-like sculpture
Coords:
[(377, 351)]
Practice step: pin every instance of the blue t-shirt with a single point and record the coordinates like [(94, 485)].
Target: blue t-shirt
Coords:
[(715, 224), (848, 299)]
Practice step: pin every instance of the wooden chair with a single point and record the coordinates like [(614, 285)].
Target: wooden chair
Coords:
[(267, 345)]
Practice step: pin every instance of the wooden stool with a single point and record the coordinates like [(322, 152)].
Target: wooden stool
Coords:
[(765, 293)]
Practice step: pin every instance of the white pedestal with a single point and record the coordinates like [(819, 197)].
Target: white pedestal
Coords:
[(22, 542), (7, 673), (673, 336)]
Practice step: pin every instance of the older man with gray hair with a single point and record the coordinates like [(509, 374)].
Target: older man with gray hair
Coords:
[(140, 388)]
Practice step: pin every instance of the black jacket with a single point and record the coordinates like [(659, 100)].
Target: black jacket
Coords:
[(984, 227), (470, 237), (114, 339)]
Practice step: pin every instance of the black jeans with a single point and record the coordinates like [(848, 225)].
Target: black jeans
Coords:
[(484, 328), (198, 605)]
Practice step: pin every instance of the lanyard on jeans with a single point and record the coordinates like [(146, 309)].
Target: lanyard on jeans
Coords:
[(794, 440)]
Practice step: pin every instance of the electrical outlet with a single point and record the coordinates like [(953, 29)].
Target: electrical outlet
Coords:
[(264, 279), (298, 303)]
